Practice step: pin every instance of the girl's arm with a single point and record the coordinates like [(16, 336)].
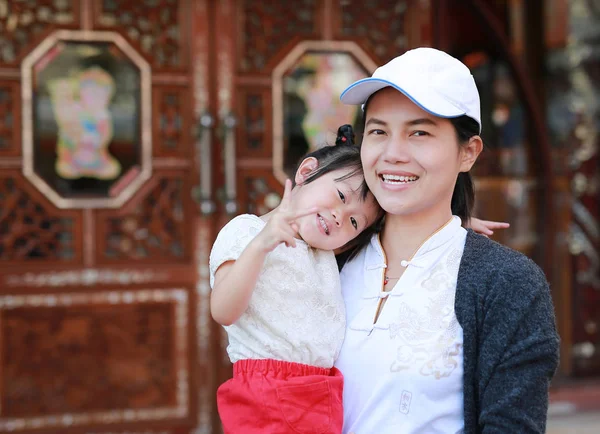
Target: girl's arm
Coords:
[(235, 280), (485, 227)]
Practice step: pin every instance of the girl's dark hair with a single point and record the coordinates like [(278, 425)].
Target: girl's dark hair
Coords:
[(344, 155), (463, 197)]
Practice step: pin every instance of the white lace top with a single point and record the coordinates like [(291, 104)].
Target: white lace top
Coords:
[(296, 313)]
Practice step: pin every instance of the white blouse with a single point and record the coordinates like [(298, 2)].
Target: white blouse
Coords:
[(296, 312), (405, 372)]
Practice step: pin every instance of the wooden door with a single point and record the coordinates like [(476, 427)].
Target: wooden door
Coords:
[(103, 321)]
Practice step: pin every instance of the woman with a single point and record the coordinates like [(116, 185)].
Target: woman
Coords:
[(447, 331)]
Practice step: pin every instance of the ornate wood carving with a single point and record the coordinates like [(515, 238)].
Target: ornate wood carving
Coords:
[(384, 33), (386, 28), (262, 192), (279, 24), (10, 118), (254, 132), (30, 230), (155, 229), (100, 357), (23, 23), (171, 121), (154, 26)]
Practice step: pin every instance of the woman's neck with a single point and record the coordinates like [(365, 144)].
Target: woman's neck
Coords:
[(403, 235)]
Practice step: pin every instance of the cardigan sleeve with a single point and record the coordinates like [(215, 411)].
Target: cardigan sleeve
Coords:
[(518, 350)]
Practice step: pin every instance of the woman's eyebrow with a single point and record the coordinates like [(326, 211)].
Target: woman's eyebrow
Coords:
[(422, 121), (376, 121)]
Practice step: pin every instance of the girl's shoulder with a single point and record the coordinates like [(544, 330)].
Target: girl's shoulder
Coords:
[(241, 223)]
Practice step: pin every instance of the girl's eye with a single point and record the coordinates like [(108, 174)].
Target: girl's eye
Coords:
[(342, 196), (353, 221), (420, 133), (377, 132)]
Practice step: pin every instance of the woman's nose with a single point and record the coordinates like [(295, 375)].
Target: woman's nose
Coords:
[(396, 151)]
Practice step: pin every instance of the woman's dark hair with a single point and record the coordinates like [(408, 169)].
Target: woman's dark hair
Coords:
[(463, 197), (344, 155)]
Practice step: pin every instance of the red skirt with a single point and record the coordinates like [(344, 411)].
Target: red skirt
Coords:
[(274, 397)]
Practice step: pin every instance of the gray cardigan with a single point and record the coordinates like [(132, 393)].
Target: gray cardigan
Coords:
[(511, 352)]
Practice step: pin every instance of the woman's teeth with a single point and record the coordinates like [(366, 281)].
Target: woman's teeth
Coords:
[(324, 225), (397, 179)]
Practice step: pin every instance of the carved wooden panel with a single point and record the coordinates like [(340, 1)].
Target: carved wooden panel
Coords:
[(31, 230), (10, 118), (24, 23), (99, 357), (255, 130), (279, 23), (153, 228), (261, 192), (171, 121), (153, 26), (386, 28)]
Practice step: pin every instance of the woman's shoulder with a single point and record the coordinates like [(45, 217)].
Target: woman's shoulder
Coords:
[(487, 260)]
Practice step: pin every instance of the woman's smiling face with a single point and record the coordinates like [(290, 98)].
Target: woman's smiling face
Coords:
[(411, 159)]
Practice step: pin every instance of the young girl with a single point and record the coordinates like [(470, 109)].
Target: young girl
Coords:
[(276, 289)]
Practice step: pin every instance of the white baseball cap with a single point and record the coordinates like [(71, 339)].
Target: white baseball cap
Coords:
[(435, 81)]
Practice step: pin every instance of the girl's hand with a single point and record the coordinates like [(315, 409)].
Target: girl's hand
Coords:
[(485, 227), (282, 227)]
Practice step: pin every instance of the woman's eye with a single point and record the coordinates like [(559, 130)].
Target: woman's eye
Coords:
[(420, 133), (377, 132), (353, 221), (342, 196)]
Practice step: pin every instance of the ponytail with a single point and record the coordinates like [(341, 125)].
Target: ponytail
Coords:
[(463, 197)]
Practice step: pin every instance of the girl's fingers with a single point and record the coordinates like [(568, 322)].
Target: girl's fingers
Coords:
[(287, 193), (290, 241), (497, 225)]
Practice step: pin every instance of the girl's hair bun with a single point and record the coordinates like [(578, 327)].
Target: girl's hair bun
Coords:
[(345, 136)]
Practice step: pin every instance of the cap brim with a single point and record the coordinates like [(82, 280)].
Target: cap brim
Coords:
[(360, 91)]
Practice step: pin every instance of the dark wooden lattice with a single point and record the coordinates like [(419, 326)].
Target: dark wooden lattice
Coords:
[(154, 230), (27, 231), (87, 358), (254, 121), (23, 21), (152, 25), (9, 119), (171, 121), (262, 193), (379, 25), (268, 26)]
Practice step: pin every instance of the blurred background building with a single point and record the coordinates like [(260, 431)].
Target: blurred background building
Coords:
[(131, 131)]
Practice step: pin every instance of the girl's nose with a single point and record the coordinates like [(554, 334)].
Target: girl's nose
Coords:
[(335, 215)]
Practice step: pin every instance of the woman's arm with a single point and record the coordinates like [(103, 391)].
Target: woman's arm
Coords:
[(518, 352)]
